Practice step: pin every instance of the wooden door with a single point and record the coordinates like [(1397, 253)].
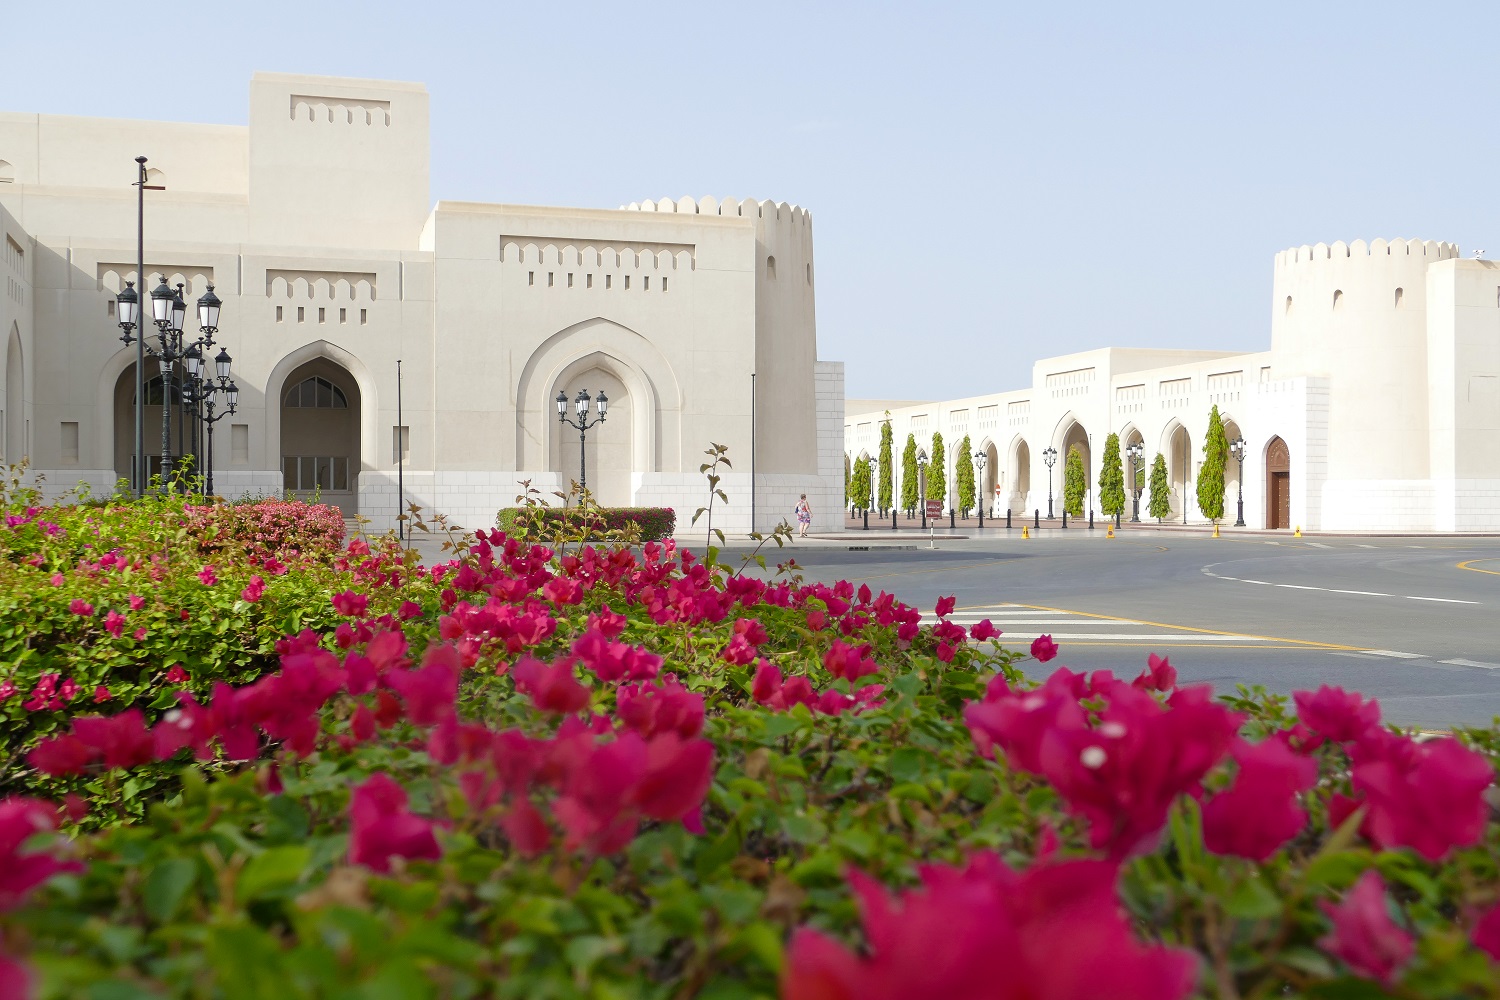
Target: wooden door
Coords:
[(1278, 485)]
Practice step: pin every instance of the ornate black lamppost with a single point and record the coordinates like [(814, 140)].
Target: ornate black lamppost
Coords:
[(168, 310), (874, 498), (922, 483), (199, 393), (1237, 449), (1135, 452), (1050, 457), (980, 499), (581, 404)]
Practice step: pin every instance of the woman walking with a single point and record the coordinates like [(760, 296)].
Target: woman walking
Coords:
[(804, 516)]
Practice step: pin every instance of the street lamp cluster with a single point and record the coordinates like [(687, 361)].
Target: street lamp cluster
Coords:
[(192, 387), (581, 403), (1237, 449), (1135, 451)]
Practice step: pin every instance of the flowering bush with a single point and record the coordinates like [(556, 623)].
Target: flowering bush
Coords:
[(604, 772), (654, 523), (281, 529)]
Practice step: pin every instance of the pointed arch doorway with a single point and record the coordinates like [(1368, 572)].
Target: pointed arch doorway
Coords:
[(320, 434), (1278, 484)]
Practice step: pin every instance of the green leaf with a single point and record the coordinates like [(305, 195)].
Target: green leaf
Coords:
[(804, 829), (1252, 899), (165, 887), (273, 870)]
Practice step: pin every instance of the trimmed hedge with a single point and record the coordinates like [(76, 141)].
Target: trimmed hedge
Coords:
[(654, 522)]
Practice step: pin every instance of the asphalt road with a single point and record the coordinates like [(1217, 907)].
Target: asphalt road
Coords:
[(1412, 621)]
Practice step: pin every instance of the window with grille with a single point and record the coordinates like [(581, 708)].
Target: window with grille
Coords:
[(317, 393), (304, 473)]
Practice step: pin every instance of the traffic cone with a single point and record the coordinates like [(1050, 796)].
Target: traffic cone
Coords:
[(1111, 532), (1216, 529), (1298, 532), (1025, 531)]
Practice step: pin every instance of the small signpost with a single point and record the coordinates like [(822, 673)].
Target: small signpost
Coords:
[(934, 511)]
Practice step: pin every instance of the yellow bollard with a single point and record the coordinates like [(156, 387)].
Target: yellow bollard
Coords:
[(1298, 532), (1216, 529), (1025, 531)]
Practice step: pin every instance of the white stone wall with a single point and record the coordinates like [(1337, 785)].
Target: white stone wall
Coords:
[(314, 225)]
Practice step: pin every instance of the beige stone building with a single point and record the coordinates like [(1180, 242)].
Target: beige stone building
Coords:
[(1376, 408), (314, 225)]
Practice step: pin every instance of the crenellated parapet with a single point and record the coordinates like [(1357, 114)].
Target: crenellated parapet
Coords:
[(1425, 251), (747, 208)]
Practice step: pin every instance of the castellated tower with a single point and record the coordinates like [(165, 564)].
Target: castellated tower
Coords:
[(1356, 316), (786, 344)]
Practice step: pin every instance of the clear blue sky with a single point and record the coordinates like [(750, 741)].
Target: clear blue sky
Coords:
[(990, 182)]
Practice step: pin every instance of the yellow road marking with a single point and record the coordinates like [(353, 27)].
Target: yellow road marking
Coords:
[(1162, 646), (1468, 564), (1206, 631)]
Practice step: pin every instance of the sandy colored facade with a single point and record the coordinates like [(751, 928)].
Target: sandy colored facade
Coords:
[(1376, 408), (315, 226)]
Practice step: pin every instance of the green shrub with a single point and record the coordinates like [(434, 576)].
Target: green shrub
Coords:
[(1075, 482), (964, 475), (653, 523), (1160, 505), (1112, 478), (887, 468), (910, 478), (937, 470), (1211, 476)]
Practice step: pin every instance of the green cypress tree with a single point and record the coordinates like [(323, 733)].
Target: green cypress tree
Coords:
[(909, 484), (937, 470), (1112, 478), (848, 492), (886, 469), (965, 475), (1075, 482), (1161, 491), (1211, 476), (859, 488)]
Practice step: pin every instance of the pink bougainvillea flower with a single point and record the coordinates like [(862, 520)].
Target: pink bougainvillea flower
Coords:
[(849, 662), (381, 828), (1486, 936), (254, 590), (984, 931), (1426, 796), (139, 634), (114, 623), (607, 622), (68, 689), (660, 707), (429, 693), (752, 630), (274, 566), (817, 620), (101, 694), (527, 829), (58, 579), (22, 871), (1339, 715), (7, 689), (677, 776), (177, 675), (738, 651), (120, 740), (767, 682), (350, 604), (1043, 648), (80, 607), (984, 631), (553, 689), (1159, 675), (1364, 936), (207, 576), (1259, 812), (60, 756), (137, 602), (409, 610), (944, 607)]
